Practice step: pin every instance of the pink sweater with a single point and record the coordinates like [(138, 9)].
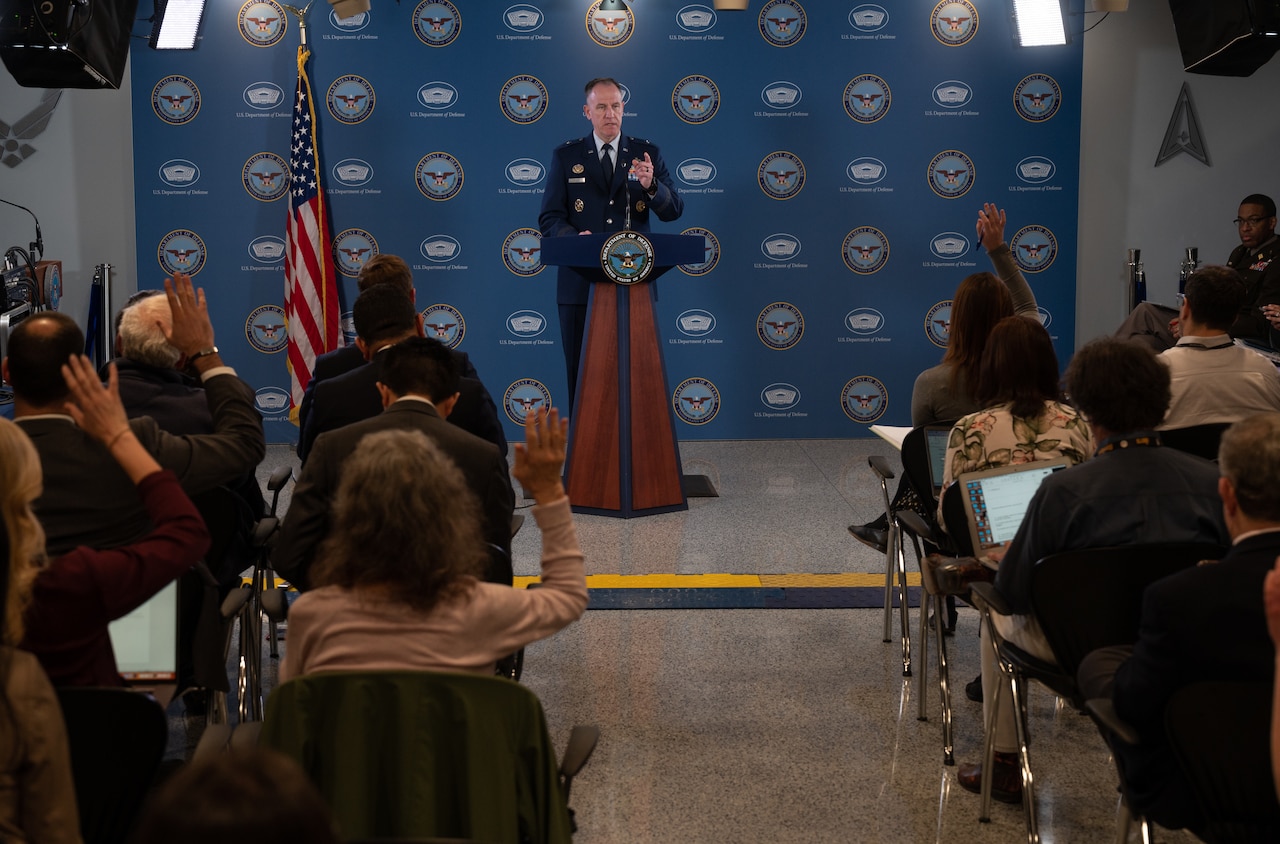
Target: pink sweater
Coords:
[(336, 629)]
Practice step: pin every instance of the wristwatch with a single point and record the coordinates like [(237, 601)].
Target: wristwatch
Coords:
[(212, 350)]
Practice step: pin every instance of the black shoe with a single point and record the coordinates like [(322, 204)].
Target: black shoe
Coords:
[(871, 536), (973, 689)]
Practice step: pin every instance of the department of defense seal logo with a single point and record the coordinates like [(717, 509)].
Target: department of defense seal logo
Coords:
[(262, 22), (436, 22), (263, 96), (780, 325), (523, 17), (866, 171), (523, 397), (439, 176), (695, 99), (780, 246), (952, 94), (865, 250), (951, 174), (353, 172), (175, 100), (179, 173), (949, 245), (1035, 169), (1037, 98), (696, 172), (696, 323), (612, 27), (867, 98), (627, 258), (696, 18), (781, 95), (523, 99), (864, 321), (1044, 316), (954, 24), (267, 249), (864, 399), (352, 249), (869, 18), (181, 251), (355, 23), (520, 252), (526, 323), (780, 396), (783, 22), (444, 323), (265, 176), (265, 329), (440, 248), (347, 323), (525, 172), (781, 175), (696, 401), (937, 324), (711, 253), (351, 99), (272, 403), (1034, 248), (437, 95)]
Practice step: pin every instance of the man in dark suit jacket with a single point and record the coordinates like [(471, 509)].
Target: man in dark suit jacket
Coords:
[(384, 316), (474, 412), (418, 387), (589, 190), (87, 498), (1202, 624)]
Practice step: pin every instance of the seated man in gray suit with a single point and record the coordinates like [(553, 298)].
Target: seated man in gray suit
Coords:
[(87, 498), (418, 386)]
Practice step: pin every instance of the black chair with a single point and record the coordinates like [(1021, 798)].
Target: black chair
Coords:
[(117, 739), (1200, 440), (1219, 734), (1084, 600)]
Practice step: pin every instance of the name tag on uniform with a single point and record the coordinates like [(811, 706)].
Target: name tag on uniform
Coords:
[(578, 181)]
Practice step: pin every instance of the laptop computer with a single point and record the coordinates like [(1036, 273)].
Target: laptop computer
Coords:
[(995, 500), (936, 438), (146, 641)]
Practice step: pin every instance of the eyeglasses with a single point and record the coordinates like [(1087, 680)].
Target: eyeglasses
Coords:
[(1249, 222)]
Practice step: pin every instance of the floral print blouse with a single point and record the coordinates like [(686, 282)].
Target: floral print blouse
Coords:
[(995, 437)]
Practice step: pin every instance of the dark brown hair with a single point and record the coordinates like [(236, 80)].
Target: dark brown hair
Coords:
[(1019, 367), (980, 302)]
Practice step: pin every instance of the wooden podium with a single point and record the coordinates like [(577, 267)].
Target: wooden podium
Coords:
[(623, 458)]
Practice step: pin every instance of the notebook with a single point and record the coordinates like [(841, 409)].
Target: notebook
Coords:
[(146, 641), (995, 500)]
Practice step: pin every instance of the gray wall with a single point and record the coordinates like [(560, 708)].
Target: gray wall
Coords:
[(80, 179)]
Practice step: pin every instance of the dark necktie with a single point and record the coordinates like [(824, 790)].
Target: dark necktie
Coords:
[(606, 161)]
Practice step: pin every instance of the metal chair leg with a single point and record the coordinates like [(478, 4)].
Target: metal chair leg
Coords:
[(944, 683), (904, 610), (926, 603), (1028, 786), (989, 741)]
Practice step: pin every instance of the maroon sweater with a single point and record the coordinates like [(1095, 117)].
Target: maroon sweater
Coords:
[(76, 595)]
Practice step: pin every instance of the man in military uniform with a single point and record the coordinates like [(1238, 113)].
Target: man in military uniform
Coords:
[(1256, 261), (592, 182)]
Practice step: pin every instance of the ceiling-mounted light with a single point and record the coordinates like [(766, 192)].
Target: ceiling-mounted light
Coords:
[(175, 24), (1039, 23)]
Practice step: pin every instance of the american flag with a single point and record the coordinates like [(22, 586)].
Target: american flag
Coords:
[(310, 281)]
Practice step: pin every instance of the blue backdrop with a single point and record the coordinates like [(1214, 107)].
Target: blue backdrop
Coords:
[(833, 155)]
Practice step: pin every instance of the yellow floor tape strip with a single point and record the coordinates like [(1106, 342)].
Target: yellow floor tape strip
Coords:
[(713, 581)]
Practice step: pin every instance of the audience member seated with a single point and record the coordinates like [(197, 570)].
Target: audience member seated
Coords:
[(1214, 380), (1158, 327), (943, 393), (1202, 624), (87, 498), (418, 388), (397, 582), (1023, 419), (1132, 491), (75, 595), (37, 793), (476, 412), (1271, 602), (246, 796)]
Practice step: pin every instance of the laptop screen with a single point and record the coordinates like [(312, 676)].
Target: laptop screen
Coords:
[(146, 640), (996, 500), (936, 439)]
